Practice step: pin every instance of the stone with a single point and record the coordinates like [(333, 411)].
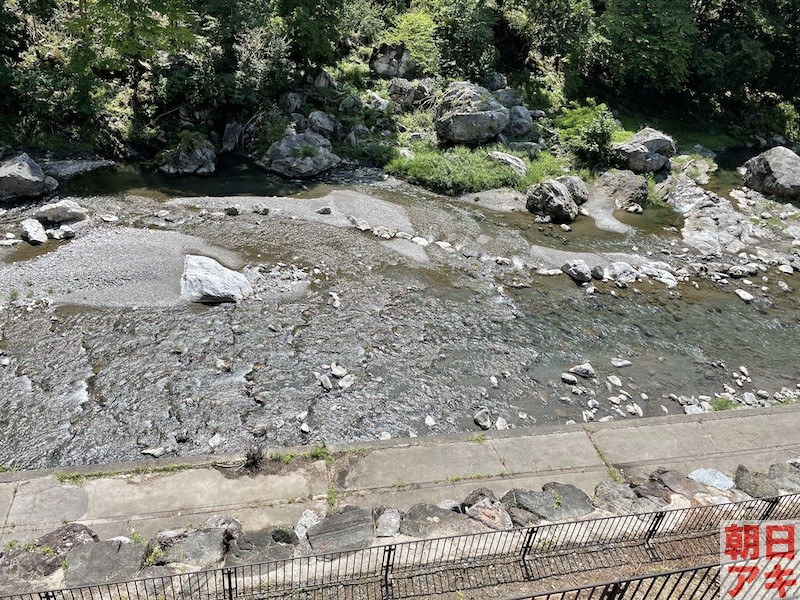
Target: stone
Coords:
[(621, 273), (556, 501), (21, 177), (569, 379), (321, 122), (402, 93), (483, 419), (620, 363), (616, 498), (300, 155), (785, 476), (427, 520), (231, 136), (33, 232), (61, 211), (495, 81), (347, 381), (261, 547), (508, 97), (387, 522), (577, 188), (712, 478), (307, 520), (104, 562), (66, 169), (349, 528), (206, 281), (64, 232), (469, 114), (520, 122), (756, 485), (553, 199), (515, 163), (196, 158), (476, 496), (585, 370), (522, 518), (776, 171), (656, 142), (578, 270), (389, 61), (676, 482), (745, 296), (624, 187), (199, 548), (491, 513)]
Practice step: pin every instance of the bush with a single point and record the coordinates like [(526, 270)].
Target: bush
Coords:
[(783, 119), (380, 154), (416, 30), (588, 130)]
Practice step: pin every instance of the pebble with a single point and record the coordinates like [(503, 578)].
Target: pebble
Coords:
[(347, 382), (746, 297), (232, 211), (304, 428), (338, 370), (614, 380), (786, 269), (501, 424), (615, 399), (385, 435), (585, 370), (620, 363), (483, 419), (215, 441), (108, 218), (302, 416), (324, 210), (334, 301), (325, 382), (493, 381), (569, 379), (4, 362), (420, 241), (157, 452), (430, 421), (784, 287)]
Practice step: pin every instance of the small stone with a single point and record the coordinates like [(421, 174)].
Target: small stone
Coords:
[(614, 380), (232, 211), (5, 361), (347, 382), (262, 210), (223, 365), (569, 379), (156, 452), (304, 428), (325, 382), (215, 441), (743, 370), (483, 418), (302, 416), (565, 227), (420, 241), (501, 424), (585, 370), (746, 297), (106, 218), (620, 363), (338, 371), (385, 435), (430, 421), (324, 210), (493, 381)]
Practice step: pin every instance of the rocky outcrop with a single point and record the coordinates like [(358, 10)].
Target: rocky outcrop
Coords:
[(552, 199), (577, 188), (21, 177), (648, 151), (66, 169), (104, 562), (206, 281), (402, 93), (625, 188), (520, 122), (300, 155), (776, 171), (189, 159), (469, 114), (392, 61)]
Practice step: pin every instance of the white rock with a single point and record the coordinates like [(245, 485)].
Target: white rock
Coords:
[(620, 363), (155, 452), (205, 280), (614, 380), (33, 232), (338, 370), (430, 421), (420, 241), (501, 424), (63, 210), (744, 296), (215, 441), (347, 381)]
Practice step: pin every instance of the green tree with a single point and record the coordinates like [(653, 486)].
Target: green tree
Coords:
[(313, 29)]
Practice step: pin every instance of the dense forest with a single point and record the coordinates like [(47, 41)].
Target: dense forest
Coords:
[(125, 77)]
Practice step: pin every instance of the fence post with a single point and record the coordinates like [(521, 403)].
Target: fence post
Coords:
[(386, 571), (229, 582), (772, 504), (651, 532), (47, 595), (527, 544), (615, 591)]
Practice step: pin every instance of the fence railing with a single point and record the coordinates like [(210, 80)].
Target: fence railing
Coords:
[(696, 583), (422, 567)]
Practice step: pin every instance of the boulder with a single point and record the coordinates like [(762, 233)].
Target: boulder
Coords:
[(785, 476), (66, 169), (104, 562), (578, 270), (509, 160), (196, 157), (776, 171), (427, 520), (556, 502), (392, 61), (205, 280), (61, 211), (469, 114), (21, 176), (424, 90), (33, 232), (402, 93), (624, 187), (577, 188), (387, 522), (553, 199), (199, 548), (350, 528), (520, 122), (491, 513), (261, 547), (231, 137), (495, 81), (321, 122), (677, 482), (648, 151), (616, 498), (300, 155), (712, 478), (290, 102), (476, 496), (756, 485)]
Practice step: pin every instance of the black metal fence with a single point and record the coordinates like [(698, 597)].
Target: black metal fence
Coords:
[(696, 583), (433, 566)]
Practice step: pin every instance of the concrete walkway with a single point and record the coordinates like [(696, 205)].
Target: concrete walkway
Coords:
[(116, 499)]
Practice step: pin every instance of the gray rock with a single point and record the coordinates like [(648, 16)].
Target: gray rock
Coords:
[(427, 520), (104, 562), (745, 296), (713, 478), (578, 270), (469, 114), (61, 211), (402, 93), (290, 102), (350, 528), (205, 280), (616, 498), (556, 502), (508, 97), (495, 81), (307, 520), (483, 418), (522, 518), (193, 160), (577, 188), (621, 273), (517, 164), (387, 522), (392, 61), (785, 476), (520, 122), (626, 188), (552, 198), (66, 169), (585, 370), (21, 176), (261, 547), (756, 485), (199, 548), (677, 482), (655, 141), (637, 158), (300, 155), (776, 171), (476, 496), (321, 122), (231, 136), (33, 232), (491, 513)]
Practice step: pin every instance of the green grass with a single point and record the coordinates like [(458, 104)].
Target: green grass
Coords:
[(720, 404), (331, 497), (463, 170), (686, 133), (78, 479), (478, 439)]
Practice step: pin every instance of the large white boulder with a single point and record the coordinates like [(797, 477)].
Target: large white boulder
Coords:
[(205, 280)]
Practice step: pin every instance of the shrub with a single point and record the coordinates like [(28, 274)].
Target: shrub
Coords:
[(783, 119), (417, 31), (588, 130)]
